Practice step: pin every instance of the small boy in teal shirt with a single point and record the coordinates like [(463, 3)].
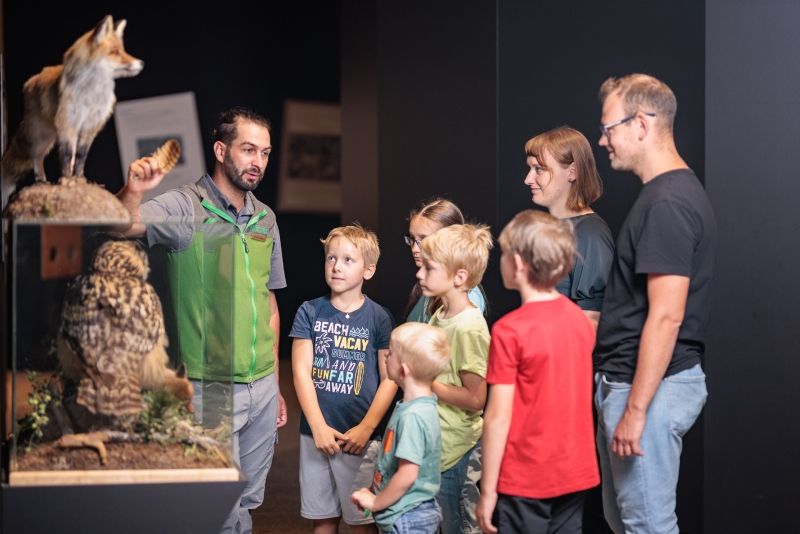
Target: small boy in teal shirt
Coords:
[(407, 474)]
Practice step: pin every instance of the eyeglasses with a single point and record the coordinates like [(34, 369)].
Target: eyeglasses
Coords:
[(605, 129), (411, 241)]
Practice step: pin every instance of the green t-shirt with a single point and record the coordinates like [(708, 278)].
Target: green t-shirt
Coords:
[(469, 352), (413, 435), (419, 313)]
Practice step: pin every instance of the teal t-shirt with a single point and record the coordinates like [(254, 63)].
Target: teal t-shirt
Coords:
[(413, 435), (419, 313)]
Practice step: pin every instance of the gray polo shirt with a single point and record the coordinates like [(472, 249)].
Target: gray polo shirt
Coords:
[(177, 209)]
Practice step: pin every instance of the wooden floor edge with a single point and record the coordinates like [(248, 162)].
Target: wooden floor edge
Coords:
[(128, 476)]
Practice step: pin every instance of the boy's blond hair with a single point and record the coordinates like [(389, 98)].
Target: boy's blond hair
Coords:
[(364, 240), (460, 246), (424, 348), (545, 244)]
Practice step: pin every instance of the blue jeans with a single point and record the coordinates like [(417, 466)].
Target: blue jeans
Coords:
[(422, 519), (458, 494), (639, 491)]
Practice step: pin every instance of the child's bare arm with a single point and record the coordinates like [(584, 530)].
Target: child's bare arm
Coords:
[(325, 437), (471, 395), (496, 424), (357, 437), (398, 485)]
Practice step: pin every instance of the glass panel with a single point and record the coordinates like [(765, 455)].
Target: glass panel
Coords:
[(104, 331)]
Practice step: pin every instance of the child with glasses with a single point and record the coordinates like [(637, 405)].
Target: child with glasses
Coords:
[(422, 222), (453, 262)]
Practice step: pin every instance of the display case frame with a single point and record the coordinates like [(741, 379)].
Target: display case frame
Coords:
[(31, 247)]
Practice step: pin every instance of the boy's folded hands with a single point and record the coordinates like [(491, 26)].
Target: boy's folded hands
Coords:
[(330, 441), (327, 439), (356, 439)]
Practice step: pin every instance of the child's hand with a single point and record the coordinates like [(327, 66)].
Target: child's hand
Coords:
[(364, 499), (485, 510), (327, 439), (356, 438)]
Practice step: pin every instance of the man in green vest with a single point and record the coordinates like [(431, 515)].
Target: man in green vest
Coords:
[(224, 263)]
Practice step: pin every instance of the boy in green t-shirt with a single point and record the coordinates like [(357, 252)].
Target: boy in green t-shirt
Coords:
[(407, 472), (453, 262)]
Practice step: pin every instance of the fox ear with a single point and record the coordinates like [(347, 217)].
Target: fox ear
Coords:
[(119, 27), (102, 29), (181, 372)]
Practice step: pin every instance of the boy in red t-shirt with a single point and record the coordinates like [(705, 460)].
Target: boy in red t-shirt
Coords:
[(538, 438)]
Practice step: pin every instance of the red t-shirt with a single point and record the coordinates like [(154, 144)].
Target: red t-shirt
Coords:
[(545, 350)]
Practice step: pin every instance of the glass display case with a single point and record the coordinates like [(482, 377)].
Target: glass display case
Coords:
[(120, 353)]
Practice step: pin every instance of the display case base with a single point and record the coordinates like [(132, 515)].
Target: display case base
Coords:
[(151, 507)]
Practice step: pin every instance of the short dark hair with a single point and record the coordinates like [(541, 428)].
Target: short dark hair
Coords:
[(225, 130)]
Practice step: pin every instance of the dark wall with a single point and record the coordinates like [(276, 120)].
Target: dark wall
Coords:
[(462, 86), (752, 133), (553, 57), (255, 54), (436, 120)]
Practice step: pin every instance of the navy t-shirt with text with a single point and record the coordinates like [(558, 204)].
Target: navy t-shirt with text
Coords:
[(345, 367)]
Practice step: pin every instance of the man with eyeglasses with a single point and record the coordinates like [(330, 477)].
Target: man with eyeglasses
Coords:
[(651, 336)]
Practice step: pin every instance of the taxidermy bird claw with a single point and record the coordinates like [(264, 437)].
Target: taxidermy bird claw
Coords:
[(167, 155)]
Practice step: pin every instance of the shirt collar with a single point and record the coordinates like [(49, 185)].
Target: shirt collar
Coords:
[(221, 200)]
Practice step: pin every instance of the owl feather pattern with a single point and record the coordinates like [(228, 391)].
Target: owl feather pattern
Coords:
[(114, 327)]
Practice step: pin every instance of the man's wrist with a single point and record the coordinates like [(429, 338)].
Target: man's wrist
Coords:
[(635, 408)]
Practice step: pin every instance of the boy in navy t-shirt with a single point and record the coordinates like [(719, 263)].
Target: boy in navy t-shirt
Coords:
[(339, 367)]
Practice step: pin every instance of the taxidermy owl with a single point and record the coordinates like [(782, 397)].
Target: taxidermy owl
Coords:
[(112, 335)]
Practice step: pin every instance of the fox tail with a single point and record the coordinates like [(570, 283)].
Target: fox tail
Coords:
[(16, 162)]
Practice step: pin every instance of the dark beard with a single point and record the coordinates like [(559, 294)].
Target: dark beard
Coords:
[(235, 175)]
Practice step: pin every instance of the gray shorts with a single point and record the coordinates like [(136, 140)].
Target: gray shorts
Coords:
[(327, 482)]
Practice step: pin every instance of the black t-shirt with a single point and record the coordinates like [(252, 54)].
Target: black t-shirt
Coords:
[(586, 282), (669, 230)]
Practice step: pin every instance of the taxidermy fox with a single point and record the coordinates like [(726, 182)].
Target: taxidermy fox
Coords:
[(69, 103)]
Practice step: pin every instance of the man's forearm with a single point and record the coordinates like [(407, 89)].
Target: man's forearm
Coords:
[(666, 295), (657, 344), (132, 201)]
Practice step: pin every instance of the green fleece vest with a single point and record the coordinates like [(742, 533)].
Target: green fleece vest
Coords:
[(220, 296)]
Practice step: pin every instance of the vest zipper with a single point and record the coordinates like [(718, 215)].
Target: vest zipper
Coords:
[(252, 306), (243, 237)]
